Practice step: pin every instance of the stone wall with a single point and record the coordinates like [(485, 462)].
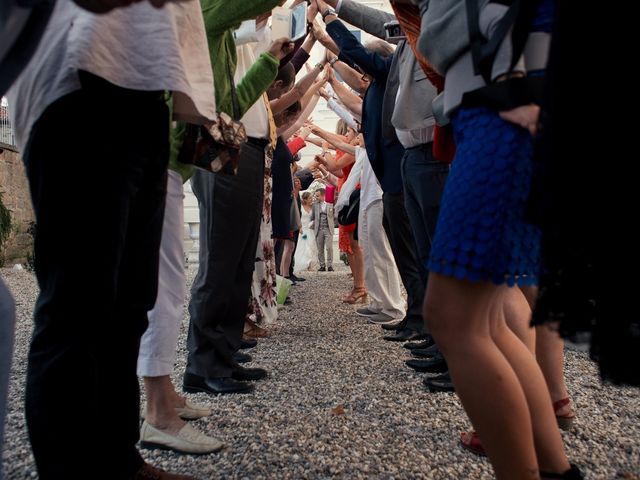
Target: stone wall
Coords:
[(15, 196)]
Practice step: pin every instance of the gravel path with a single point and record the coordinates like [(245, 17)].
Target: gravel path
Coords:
[(322, 357)]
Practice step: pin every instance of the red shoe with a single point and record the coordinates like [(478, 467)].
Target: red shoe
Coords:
[(565, 422), (471, 441)]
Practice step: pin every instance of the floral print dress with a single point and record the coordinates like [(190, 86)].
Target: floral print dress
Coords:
[(262, 305)]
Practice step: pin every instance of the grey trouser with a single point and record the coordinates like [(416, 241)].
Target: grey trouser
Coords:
[(324, 239)]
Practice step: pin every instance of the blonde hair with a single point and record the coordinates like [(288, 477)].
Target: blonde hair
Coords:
[(342, 128)]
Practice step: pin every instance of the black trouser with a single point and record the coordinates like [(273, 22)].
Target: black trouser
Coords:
[(230, 212), (396, 224), (107, 148), (423, 177)]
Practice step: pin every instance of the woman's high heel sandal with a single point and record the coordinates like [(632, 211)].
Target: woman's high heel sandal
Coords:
[(359, 295), (573, 473)]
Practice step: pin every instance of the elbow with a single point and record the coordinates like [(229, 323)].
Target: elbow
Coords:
[(362, 86)]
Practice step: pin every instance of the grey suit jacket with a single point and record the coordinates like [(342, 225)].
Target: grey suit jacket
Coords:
[(315, 218), (412, 109)]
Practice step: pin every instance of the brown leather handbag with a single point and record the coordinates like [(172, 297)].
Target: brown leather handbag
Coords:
[(215, 146)]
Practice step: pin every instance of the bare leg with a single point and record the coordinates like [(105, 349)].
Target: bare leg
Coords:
[(518, 314), (357, 263), (550, 354), (162, 400), (548, 442), (459, 314), (287, 252)]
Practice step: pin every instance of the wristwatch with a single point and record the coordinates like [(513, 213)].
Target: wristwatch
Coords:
[(327, 12), (320, 65), (333, 61)]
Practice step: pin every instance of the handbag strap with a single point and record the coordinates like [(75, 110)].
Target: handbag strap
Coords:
[(235, 104), (484, 52)]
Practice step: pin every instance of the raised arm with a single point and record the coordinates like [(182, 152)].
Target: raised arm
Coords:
[(302, 55), (373, 63), (306, 111), (336, 140), (297, 92), (325, 40), (349, 99), (255, 81), (350, 75), (218, 17), (369, 19)]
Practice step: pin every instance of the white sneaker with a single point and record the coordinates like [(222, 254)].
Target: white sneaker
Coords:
[(188, 440), (190, 411)]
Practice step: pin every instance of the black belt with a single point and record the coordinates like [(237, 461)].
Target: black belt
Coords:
[(258, 142)]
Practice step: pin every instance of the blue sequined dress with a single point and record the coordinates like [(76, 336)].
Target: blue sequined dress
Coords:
[(481, 233)]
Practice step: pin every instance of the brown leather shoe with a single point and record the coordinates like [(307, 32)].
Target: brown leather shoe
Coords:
[(253, 330), (149, 472)]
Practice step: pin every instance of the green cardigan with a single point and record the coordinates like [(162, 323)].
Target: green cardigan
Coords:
[(221, 18)]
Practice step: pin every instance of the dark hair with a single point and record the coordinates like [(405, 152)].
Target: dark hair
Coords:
[(286, 73), (294, 108), (322, 191)]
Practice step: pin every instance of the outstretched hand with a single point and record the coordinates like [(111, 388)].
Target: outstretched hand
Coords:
[(281, 47)]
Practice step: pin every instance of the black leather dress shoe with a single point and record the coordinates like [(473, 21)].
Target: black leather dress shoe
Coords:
[(248, 374), (241, 357), (405, 335), (439, 383), (247, 344), (426, 343), (393, 327), (430, 352), (295, 278), (214, 386), (435, 364), (322, 269), (329, 269)]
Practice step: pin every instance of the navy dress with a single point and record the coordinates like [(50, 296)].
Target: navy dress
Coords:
[(282, 188)]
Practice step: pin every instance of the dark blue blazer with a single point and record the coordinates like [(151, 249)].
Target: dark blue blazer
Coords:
[(385, 154)]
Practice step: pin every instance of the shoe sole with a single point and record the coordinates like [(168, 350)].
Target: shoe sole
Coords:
[(160, 446), (473, 450), (565, 423), (249, 379), (439, 389), (434, 372), (209, 392), (382, 322), (365, 315)]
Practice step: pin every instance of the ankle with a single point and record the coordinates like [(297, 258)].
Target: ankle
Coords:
[(168, 423)]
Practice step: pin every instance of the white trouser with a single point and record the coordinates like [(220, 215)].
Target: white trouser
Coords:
[(158, 345), (380, 272)]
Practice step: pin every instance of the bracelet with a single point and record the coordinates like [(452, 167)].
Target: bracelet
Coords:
[(319, 65), (333, 61)]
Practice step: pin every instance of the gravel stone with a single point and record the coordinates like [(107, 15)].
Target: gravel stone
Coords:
[(340, 403)]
